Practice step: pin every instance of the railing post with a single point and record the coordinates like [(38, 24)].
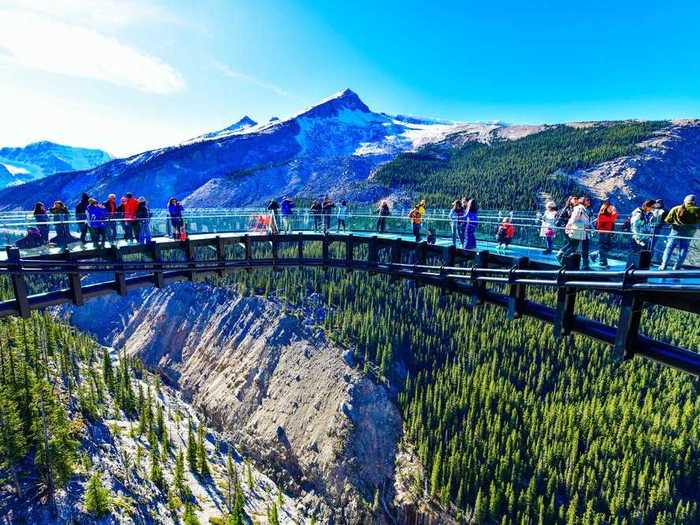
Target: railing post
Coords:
[(516, 292), (449, 256), (480, 261), (248, 247), (220, 254), (349, 252), (189, 254), (119, 276), (631, 308), (325, 243), (566, 299), (300, 248), (19, 285), (274, 244), (395, 258), (372, 252), (421, 257), (157, 256)]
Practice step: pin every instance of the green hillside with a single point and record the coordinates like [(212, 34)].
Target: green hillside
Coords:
[(512, 174)]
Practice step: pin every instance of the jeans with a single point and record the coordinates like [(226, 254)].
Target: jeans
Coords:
[(549, 242), (457, 233), (470, 243), (570, 247), (604, 246), (128, 230), (416, 232), (144, 232), (97, 234), (326, 222), (671, 243), (341, 222), (381, 224), (83, 231), (287, 223), (111, 230), (317, 222)]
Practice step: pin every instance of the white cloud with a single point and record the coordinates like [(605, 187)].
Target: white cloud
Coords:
[(36, 41), (227, 71), (40, 115)]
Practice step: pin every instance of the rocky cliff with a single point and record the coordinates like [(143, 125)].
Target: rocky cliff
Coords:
[(274, 384)]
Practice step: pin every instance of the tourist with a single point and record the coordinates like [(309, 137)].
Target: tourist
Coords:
[(287, 208), (383, 213), (273, 207), (342, 215), (576, 231), (60, 217), (416, 218), (126, 225), (563, 217), (548, 221), (471, 216), (586, 254), (81, 217), (456, 216), (131, 205), (641, 226), (111, 206), (658, 224), (42, 221), (327, 208), (505, 234), (432, 238), (684, 220), (143, 219), (175, 210), (605, 224), (316, 209), (96, 216)]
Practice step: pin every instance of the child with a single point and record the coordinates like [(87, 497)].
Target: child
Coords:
[(432, 238), (505, 234)]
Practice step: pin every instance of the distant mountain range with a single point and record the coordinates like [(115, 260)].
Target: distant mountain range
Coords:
[(41, 159), (333, 147)]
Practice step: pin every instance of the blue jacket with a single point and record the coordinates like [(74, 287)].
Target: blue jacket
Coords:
[(175, 210), (96, 216), (287, 207)]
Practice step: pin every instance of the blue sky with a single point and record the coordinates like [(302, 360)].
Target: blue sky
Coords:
[(128, 75)]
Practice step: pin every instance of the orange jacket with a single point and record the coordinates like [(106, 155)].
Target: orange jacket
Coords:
[(415, 216)]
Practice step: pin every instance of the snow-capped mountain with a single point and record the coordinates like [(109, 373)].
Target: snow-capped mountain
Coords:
[(325, 148), (40, 159)]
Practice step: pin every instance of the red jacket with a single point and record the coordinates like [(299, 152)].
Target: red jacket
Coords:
[(606, 221), (130, 208)]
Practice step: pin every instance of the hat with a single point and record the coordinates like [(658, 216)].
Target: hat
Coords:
[(689, 199)]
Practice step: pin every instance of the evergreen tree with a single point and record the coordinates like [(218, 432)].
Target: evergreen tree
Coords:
[(202, 462), (191, 449), (107, 371), (97, 499)]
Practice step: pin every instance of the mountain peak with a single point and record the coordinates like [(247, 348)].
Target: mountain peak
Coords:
[(333, 105), (245, 122)]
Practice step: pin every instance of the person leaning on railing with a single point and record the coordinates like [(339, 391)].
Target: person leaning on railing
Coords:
[(641, 226), (383, 213), (81, 216), (684, 220), (287, 208), (42, 221), (60, 217)]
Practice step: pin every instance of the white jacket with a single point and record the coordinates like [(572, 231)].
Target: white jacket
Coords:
[(578, 223)]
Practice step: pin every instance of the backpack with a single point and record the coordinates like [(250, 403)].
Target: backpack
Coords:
[(563, 216)]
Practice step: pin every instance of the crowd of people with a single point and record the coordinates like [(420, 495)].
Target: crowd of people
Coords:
[(576, 221), (99, 222)]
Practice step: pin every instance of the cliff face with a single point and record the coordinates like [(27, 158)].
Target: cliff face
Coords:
[(276, 386), (667, 168)]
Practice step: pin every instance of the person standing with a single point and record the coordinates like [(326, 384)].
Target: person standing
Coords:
[(273, 207), (605, 224), (684, 220), (641, 227), (143, 217), (131, 205), (316, 210), (60, 217), (505, 234), (287, 209), (327, 208), (42, 221), (657, 219), (548, 222), (456, 216), (175, 210), (96, 216), (416, 219), (126, 225), (575, 230), (342, 215), (586, 241), (471, 215), (563, 217), (111, 228), (383, 213), (81, 216)]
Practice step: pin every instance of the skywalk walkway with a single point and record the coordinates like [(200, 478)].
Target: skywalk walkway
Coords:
[(487, 277)]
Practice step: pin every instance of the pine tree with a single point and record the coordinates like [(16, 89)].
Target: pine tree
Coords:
[(191, 449), (156, 470), (189, 517), (108, 372), (179, 476), (13, 445), (273, 515), (97, 499), (480, 509), (202, 462)]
